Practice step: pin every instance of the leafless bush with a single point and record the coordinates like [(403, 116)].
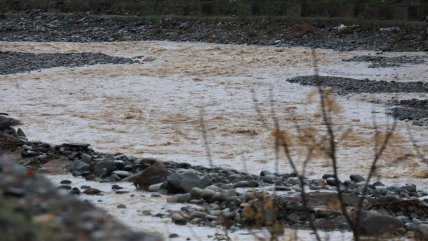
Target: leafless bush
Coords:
[(324, 142)]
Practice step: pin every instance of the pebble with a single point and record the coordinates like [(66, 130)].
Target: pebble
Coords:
[(357, 178), (196, 193), (197, 214), (207, 194), (177, 218), (75, 190), (66, 187), (66, 182), (421, 232), (147, 212), (327, 176), (86, 158), (121, 192), (92, 191), (411, 188), (116, 187), (155, 195), (121, 205), (121, 174), (155, 187), (179, 198), (218, 197), (331, 181), (246, 184)]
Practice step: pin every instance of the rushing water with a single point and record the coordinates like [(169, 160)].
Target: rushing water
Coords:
[(154, 109)]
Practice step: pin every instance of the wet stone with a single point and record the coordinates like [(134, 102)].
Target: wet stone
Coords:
[(246, 184), (177, 218), (421, 232), (75, 190), (92, 191), (410, 188), (375, 224), (327, 176), (357, 178), (121, 192), (218, 197), (66, 182), (266, 173), (292, 181), (65, 187), (77, 146), (207, 194), (79, 166), (377, 184), (173, 235), (112, 178), (116, 187), (155, 195), (282, 188), (123, 206), (89, 176), (196, 193), (104, 168), (121, 174), (268, 178), (179, 198), (86, 158), (332, 181), (14, 191), (128, 167), (185, 181), (155, 187)]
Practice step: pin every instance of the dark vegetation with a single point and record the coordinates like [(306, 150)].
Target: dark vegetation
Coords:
[(373, 9)]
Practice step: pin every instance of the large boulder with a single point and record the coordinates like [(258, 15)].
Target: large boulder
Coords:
[(421, 233), (184, 180), (375, 224), (78, 167), (7, 122), (104, 168), (155, 173)]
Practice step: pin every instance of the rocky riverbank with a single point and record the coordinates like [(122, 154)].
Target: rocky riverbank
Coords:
[(225, 197), (15, 62), (36, 26), (405, 110), (31, 208)]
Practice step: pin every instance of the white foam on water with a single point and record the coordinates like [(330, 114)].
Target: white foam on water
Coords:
[(153, 109)]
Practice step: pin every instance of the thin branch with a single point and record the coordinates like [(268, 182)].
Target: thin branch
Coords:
[(258, 110), (277, 128), (377, 156), (281, 140), (205, 136), (301, 179), (415, 146), (331, 138)]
